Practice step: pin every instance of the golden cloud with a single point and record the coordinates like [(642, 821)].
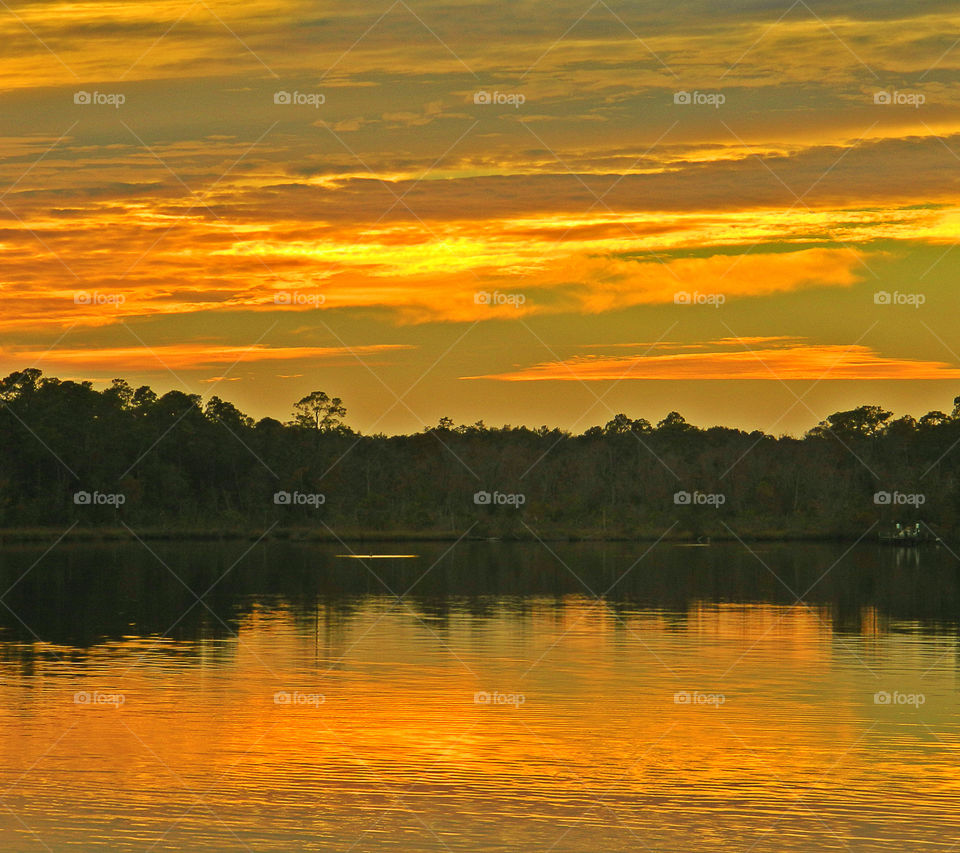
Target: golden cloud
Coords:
[(181, 356), (789, 362)]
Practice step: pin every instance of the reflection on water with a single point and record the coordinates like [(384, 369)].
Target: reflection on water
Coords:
[(298, 705)]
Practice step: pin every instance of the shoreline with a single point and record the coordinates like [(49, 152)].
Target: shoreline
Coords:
[(10, 536)]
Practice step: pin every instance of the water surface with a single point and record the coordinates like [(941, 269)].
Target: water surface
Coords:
[(484, 697)]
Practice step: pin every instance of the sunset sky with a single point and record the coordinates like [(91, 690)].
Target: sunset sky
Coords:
[(779, 247)]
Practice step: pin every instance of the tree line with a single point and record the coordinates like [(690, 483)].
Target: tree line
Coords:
[(128, 457)]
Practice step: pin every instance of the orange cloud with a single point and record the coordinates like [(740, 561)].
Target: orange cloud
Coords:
[(802, 361), (179, 356), (604, 284)]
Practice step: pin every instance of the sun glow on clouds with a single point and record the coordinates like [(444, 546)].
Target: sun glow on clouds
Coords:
[(439, 282)]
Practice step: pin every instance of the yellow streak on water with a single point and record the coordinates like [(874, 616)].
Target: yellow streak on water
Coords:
[(378, 556)]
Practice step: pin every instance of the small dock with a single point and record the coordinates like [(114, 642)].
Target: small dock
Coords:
[(908, 535)]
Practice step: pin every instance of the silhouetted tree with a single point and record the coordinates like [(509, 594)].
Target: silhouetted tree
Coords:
[(319, 412)]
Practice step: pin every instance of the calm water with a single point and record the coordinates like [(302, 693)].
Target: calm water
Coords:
[(498, 706)]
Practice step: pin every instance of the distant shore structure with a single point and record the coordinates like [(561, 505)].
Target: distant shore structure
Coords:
[(909, 534)]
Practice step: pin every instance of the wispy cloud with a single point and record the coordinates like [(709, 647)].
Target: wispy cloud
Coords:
[(179, 356), (788, 362)]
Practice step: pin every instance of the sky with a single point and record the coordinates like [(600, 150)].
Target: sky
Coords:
[(525, 213)]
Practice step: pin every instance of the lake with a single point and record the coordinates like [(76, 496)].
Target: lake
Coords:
[(480, 696)]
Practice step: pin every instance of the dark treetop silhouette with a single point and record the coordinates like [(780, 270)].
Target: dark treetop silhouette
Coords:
[(126, 456)]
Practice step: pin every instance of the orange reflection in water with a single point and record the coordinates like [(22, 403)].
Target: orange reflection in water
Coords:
[(548, 722)]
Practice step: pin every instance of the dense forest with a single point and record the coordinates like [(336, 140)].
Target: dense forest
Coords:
[(125, 459)]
